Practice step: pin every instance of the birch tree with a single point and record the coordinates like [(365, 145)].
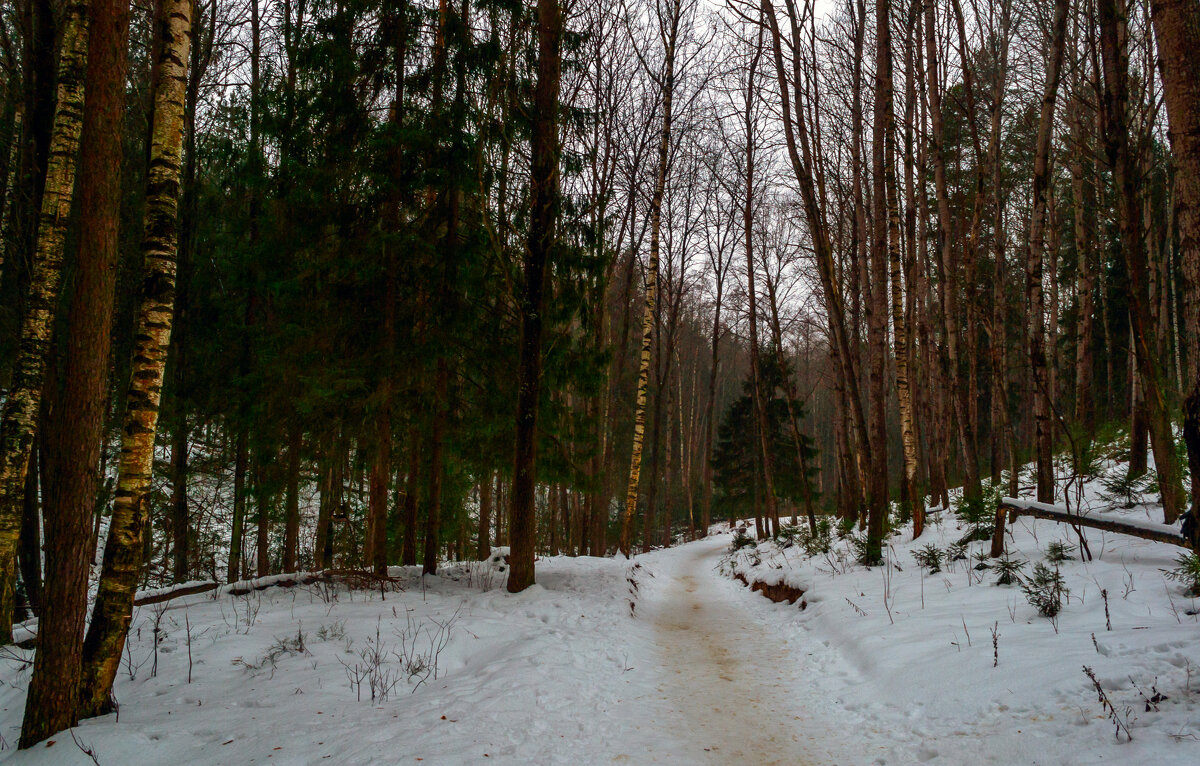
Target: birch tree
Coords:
[(111, 614)]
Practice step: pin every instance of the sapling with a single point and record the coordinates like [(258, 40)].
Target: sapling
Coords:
[(929, 557), (1008, 570), (1124, 487), (742, 540), (1045, 590), (817, 543), (1186, 572), (1059, 551), (862, 550), (845, 528)]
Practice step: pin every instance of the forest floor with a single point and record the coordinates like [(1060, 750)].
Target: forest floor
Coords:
[(659, 660), (666, 659)]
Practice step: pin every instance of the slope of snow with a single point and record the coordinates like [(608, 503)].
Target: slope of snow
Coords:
[(914, 651)]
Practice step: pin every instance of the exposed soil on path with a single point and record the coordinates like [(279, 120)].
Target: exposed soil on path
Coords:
[(724, 673)]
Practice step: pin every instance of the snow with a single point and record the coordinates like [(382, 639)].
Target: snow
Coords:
[(912, 652), (664, 659)]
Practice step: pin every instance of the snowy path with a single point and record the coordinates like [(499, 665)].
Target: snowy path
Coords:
[(721, 667)]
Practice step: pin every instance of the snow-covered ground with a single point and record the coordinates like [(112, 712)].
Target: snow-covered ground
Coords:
[(596, 663), (665, 659), (958, 669)]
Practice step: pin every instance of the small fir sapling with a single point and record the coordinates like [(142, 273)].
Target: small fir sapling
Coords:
[(929, 557), (1124, 488), (1059, 551), (1186, 572), (816, 544), (1008, 570), (742, 540), (982, 560), (787, 535), (979, 514), (862, 551), (1045, 590), (1088, 463), (845, 528)]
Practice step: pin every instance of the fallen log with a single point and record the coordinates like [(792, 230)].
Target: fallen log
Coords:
[(166, 594), (353, 577), (1012, 509)]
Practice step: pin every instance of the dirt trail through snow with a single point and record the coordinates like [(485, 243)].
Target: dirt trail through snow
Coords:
[(723, 671)]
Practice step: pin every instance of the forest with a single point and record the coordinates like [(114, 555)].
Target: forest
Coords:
[(336, 285)]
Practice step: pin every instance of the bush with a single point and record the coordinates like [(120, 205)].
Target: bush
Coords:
[(980, 513), (956, 552), (1059, 551), (817, 544), (787, 535), (1122, 488), (1186, 571), (1089, 459), (929, 557), (1045, 590), (1112, 441), (860, 544), (845, 528), (741, 540), (1008, 570), (981, 558)]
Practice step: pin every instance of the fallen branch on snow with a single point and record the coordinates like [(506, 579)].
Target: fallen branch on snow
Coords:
[(1012, 509)]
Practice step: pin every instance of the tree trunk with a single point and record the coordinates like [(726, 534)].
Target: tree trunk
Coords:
[(408, 554), (200, 54), (484, 547), (74, 427), (380, 479), (291, 513), (543, 221), (1044, 427), (330, 491), (710, 403), (758, 391), (262, 538), (433, 515), (179, 503), (795, 116), (18, 420), (667, 85), (131, 509), (948, 267), (1177, 30), (884, 240), (31, 537), (1083, 195), (1127, 181), (240, 461)]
